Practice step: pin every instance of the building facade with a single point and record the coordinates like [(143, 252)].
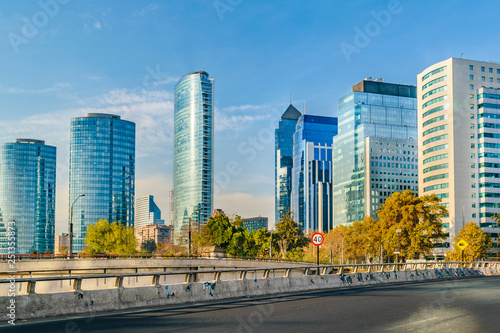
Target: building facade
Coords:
[(312, 172), (374, 109), (147, 212), (283, 160), (27, 195), (459, 150), (156, 232), (193, 150), (102, 167), (60, 240), (255, 223)]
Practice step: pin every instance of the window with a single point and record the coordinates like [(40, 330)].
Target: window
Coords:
[(483, 78), (473, 205), (473, 165), (434, 129), (471, 126), (490, 70), (474, 215), (482, 69), (471, 96), (471, 87), (471, 67), (435, 187), (472, 114), (472, 185), (471, 107), (472, 156), (472, 175), (472, 136), (471, 77), (498, 71), (440, 69), (491, 79), (473, 145), (498, 80), (473, 195)]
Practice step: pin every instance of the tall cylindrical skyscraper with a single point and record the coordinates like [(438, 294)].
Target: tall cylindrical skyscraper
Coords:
[(193, 150), (102, 167), (27, 195)]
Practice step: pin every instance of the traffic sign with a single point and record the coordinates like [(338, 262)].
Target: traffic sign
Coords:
[(397, 250), (462, 244), (317, 239)]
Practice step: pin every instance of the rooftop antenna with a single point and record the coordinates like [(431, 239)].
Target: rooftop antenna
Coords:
[(461, 56), (290, 98), (304, 106)]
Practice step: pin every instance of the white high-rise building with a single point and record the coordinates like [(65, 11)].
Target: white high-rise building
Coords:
[(147, 212), (459, 140)]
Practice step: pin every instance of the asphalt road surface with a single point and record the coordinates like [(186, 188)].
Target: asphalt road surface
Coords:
[(468, 305)]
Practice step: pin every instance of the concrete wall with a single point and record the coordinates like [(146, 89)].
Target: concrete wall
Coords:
[(88, 302)]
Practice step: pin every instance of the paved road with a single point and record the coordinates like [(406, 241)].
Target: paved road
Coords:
[(469, 305)]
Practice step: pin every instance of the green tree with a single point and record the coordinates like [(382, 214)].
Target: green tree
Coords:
[(112, 238), (262, 238), (220, 230), (478, 241), (242, 244), (288, 235), (419, 219), (149, 246)]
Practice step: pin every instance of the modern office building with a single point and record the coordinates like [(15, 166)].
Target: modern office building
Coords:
[(459, 146), (27, 196), (375, 150), (193, 150), (102, 167), (255, 223), (312, 172), (283, 160), (147, 212)]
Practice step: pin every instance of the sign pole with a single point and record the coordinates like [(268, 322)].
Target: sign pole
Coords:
[(317, 255)]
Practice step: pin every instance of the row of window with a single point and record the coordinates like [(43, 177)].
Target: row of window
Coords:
[(430, 83), (436, 167), (433, 120), (435, 158), (438, 70), (436, 148), (434, 91), (431, 111), (435, 129), (431, 178), (483, 69), (436, 187), (435, 100), (436, 138), (483, 79)]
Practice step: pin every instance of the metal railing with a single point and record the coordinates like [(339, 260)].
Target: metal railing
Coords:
[(192, 276), (5, 257)]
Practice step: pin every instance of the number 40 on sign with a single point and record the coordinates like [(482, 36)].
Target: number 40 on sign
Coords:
[(317, 239)]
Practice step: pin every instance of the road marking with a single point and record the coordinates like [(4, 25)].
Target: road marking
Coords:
[(414, 323)]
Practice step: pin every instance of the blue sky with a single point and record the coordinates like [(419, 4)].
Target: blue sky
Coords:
[(124, 57)]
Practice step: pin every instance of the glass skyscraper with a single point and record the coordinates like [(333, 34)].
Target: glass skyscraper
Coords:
[(283, 160), (28, 195), (369, 171), (102, 167), (193, 150), (312, 172)]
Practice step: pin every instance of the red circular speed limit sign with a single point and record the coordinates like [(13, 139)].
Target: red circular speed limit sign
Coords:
[(317, 239)]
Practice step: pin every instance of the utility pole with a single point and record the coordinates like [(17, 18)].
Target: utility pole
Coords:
[(70, 249), (271, 246)]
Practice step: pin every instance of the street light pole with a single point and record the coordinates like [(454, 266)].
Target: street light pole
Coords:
[(189, 238), (70, 250)]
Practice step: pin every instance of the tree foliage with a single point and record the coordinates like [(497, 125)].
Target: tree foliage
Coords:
[(289, 237), (111, 238), (419, 219), (63, 249), (478, 241), (148, 246)]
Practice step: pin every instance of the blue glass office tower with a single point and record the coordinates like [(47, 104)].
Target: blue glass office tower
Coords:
[(312, 172), (193, 150), (28, 195), (283, 160), (102, 167), (369, 171)]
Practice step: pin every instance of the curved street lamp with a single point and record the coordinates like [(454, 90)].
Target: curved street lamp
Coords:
[(70, 249)]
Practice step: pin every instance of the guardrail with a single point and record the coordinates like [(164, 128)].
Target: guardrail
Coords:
[(214, 275), (5, 257)]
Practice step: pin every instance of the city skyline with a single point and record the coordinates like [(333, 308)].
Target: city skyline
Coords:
[(45, 84)]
